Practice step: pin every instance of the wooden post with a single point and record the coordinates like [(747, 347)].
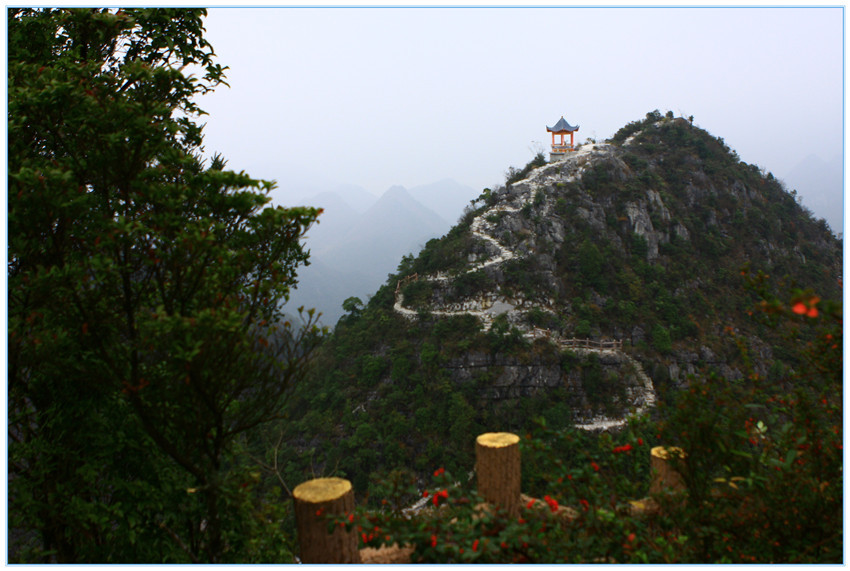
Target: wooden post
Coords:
[(315, 500), (665, 477), (497, 463)]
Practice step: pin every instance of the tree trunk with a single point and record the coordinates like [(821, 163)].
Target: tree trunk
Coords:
[(665, 477), (497, 463), (315, 502)]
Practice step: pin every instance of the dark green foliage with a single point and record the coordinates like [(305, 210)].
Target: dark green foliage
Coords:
[(522, 277), (590, 266), (543, 319), (146, 339), (661, 339), (514, 174), (639, 246), (469, 283), (762, 472), (417, 293)]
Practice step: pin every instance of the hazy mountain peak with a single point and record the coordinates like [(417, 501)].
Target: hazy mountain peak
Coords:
[(395, 189), (820, 186)]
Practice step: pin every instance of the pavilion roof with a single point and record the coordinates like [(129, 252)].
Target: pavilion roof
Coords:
[(562, 127)]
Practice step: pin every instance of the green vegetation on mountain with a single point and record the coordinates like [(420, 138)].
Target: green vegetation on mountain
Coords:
[(651, 244), (652, 241)]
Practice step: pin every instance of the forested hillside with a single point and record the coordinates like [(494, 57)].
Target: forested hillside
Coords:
[(163, 401), (648, 239), (693, 274)]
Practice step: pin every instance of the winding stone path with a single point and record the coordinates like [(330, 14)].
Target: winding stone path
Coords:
[(492, 304)]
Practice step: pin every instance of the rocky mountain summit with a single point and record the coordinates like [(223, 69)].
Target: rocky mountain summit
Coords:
[(582, 291), (586, 235)]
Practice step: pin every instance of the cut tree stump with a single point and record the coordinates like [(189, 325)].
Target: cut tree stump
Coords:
[(316, 501), (665, 477), (497, 464), (386, 554)]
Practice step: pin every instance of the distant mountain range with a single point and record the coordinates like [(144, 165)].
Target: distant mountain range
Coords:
[(360, 238), (820, 186)]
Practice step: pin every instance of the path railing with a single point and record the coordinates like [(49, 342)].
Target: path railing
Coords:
[(404, 281), (498, 471), (614, 344)]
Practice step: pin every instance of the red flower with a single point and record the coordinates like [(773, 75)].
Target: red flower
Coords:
[(425, 494), (631, 537), (595, 466), (799, 308), (350, 518), (439, 472), (475, 545), (813, 312), (438, 495), (553, 504), (585, 504), (433, 540), (640, 441), (530, 504)]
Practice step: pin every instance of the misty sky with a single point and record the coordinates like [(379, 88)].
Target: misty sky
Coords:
[(409, 96)]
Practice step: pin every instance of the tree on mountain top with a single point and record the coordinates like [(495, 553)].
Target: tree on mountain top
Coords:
[(145, 330)]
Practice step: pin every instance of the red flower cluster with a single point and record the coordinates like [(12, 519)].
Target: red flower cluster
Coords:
[(806, 308), (438, 495), (433, 540), (439, 472), (585, 504), (623, 448), (553, 505), (595, 466), (475, 545)]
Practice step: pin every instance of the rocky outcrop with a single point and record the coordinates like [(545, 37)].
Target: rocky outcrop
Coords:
[(509, 378)]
